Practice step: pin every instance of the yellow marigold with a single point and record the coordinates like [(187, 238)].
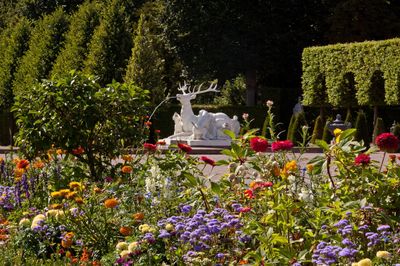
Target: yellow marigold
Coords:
[(71, 195), (144, 228), (38, 164), (56, 194), (337, 132), (127, 158), (1, 159), (124, 253), (76, 185), (252, 184), (64, 192), (126, 169), (365, 262), (59, 151), (18, 172), (289, 167), (55, 206), (66, 242), (132, 246), (122, 246), (111, 203), (79, 200), (383, 254)]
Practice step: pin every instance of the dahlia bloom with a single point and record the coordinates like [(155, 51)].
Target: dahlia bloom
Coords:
[(184, 147), (283, 145), (208, 160), (362, 159), (111, 203), (150, 147), (258, 144), (387, 142)]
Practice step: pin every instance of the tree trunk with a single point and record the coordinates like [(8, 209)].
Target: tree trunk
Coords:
[(251, 87), (375, 115)]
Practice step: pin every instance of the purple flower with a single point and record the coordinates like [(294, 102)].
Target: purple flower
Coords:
[(220, 255), (164, 234), (186, 208), (384, 227), (342, 223)]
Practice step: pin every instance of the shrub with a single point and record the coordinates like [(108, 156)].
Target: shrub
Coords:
[(296, 128), (326, 135), (361, 126), (379, 128), (78, 115), (233, 92), (318, 129)]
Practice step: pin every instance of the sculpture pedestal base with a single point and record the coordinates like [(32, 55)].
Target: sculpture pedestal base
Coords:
[(198, 143)]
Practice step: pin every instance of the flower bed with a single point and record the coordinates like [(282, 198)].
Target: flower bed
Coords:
[(154, 208)]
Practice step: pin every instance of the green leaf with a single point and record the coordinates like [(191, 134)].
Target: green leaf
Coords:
[(216, 188), (229, 133), (322, 144)]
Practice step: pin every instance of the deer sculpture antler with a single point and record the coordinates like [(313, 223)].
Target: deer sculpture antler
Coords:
[(186, 89)]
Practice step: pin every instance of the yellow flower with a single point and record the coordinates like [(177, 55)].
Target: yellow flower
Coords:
[(289, 167), (337, 132), (127, 158), (64, 192), (383, 254), (365, 262), (56, 194), (124, 253), (122, 246), (169, 227), (25, 222), (76, 185), (144, 228), (18, 172), (38, 164), (310, 168), (354, 264)]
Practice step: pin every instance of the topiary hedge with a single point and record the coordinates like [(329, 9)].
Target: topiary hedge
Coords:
[(372, 64)]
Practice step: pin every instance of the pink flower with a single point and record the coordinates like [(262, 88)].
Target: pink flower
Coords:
[(387, 142), (262, 185), (258, 144), (283, 145), (184, 147), (362, 159), (208, 160), (245, 209), (150, 147)]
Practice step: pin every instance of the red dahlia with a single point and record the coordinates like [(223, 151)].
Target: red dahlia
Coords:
[(258, 144), (362, 159), (184, 147), (283, 145), (208, 160), (387, 142)]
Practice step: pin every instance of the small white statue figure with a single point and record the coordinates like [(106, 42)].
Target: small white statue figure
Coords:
[(178, 128)]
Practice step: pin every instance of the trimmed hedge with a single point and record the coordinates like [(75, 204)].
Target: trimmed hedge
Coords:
[(333, 67)]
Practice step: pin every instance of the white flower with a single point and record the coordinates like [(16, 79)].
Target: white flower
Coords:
[(270, 103)]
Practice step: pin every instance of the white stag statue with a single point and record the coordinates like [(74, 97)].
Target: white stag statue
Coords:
[(205, 125)]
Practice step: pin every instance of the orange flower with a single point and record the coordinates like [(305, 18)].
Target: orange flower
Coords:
[(66, 241), (147, 124), (38, 164), (18, 172), (125, 231), (249, 194), (127, 158), (64, 192), (78, 151), (111, 203), (276, 171), (23, 164), (85, 256), (4, 237), (72, 195), (55, 206), (126, 169), (138, 216), (97, 190), (310, 168)]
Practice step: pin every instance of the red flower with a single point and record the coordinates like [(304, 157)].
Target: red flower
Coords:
[(258, 144), (245, 209), (150, 147), (23, 164), (262, 185), (157, 131), (283, 145), (208, 160), (387, 142), (362, 159), (184, 147), (249, 193), (392, 157)]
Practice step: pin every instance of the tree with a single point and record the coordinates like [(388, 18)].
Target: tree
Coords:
[(83, 24), (35, 9), (44, 45), (110, 47)]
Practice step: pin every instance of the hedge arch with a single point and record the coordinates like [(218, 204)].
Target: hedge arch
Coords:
[(367, 61)]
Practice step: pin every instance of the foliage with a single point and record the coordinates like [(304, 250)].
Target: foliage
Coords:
[(80, 32), (318, 130), (44, 45), (336, 63), (379, 128), (35, 9), (13, 45), (78, 115), (233, 92), (326, 135), (361, 126), (110, 47), (297, 128)]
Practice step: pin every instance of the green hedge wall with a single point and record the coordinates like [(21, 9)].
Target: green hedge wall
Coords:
[(330, 66)]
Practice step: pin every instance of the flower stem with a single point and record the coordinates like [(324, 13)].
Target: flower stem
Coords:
[(383, 159)]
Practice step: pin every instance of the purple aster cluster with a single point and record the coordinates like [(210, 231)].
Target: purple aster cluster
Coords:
[(326, 254), (7, 198), (203, 231)]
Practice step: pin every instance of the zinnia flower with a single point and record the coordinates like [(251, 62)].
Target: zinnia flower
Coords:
[(258, 144), (208, 160), (249, 193), (387, 142), (111, 203), (138, 216), (383, 254), (23, 164), (362, 159), (127, 158), (245, 209), (78, 151), (283, 145), (126, 169), (184, 147), (125, 231), (38, 164), (66, 241), (150, 147)]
